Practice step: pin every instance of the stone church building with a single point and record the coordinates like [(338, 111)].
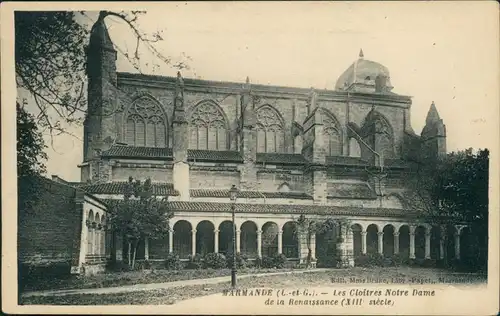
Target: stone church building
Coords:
[(340, 153)]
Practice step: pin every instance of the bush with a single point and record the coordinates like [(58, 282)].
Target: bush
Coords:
[(241, 260), (215, 260), (327, 262), (369, 260), (397, 260), (279, 261), (173, 262), (117, 266), (266, 262), (195, 262)]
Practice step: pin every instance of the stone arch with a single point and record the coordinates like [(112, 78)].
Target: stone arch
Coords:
[(208, 126), (226, 237), (290, 240), (420, 231), (435, 242), (357, 229), (90, 233), (205, 237), (270, 232), (146, 122), (333, 133), (284, 187), (372, 238), (248, 239), (404, 241), (388, 240), (270, 127), (182, 238)]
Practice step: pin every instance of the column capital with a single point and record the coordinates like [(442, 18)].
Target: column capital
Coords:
[(238, 231), (380, 233), (216, 231), (412, 229), (193, 231), (363, 233), (396, 234), (280, 232), (259, 232), (428, 234), (456, 234)]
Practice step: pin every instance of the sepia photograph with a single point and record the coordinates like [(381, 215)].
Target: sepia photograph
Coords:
[(251, 157)]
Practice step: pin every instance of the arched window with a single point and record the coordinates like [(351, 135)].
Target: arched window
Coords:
[(208, 128), (378, 126), (354, 148), (270, 131), (333, 136), (146, 124)]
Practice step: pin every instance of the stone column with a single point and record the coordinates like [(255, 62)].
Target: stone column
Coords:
[(280, 241), (193, 242), (146, 248), (170, 241), (427, 245), (216, 241), (259, 243), (441, 241), (412, 241), (457, 245), (238, 233), (345, 248), (363, 242), (313, 247), (380, 242), (396, 243)]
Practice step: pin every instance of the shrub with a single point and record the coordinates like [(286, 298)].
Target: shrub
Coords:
[(215, 260), (369, 260), (397, 260), (327, 262), (279, 261), (195, 262), (117, 266), (241, 260), (267, 262), (173, 262)]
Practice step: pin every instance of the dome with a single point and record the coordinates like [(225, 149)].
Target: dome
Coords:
[(366, 76)]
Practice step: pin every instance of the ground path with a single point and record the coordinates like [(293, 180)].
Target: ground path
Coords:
[(158, 286)]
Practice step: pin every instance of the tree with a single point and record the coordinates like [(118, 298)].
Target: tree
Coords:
[(310, 227), (50, 61), (140, 215), (453, 190), (30, 158)]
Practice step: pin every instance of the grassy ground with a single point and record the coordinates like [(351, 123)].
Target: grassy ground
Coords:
[(111, 279), (170, 296)]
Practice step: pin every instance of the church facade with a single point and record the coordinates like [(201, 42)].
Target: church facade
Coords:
[(340, 153)]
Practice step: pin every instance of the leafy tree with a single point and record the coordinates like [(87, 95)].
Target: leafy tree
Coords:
[(50, 60), (30, 158), (140, 215), (310, 227), (453, 190)]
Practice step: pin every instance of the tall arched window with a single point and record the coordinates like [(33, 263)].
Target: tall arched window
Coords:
[(146, 124), (208, 128), (333, 136), (270, 131), (377, 132)]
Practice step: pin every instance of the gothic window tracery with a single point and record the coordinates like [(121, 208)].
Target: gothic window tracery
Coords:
[(333, 137), (376, 125), (208, 128), (146, 124), (270, 131)]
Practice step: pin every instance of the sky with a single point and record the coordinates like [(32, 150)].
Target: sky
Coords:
[(446, 52)]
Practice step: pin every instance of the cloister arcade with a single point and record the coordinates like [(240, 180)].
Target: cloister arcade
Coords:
[(268, 236)]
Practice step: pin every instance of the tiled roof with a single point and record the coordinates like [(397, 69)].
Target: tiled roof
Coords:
[(166, 153), (278, 158), (214, 155), (285, 208), (350, 190), (161, 189), (345, 161), (249, 194), (143, 152)]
